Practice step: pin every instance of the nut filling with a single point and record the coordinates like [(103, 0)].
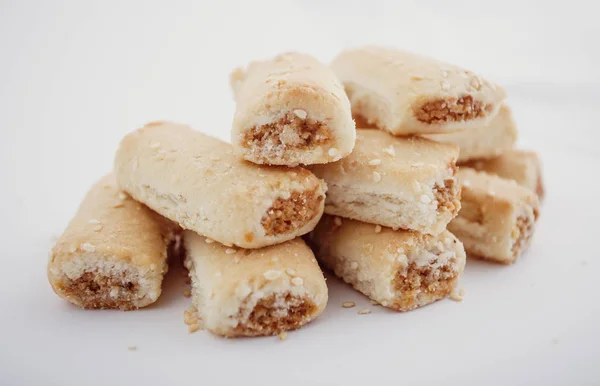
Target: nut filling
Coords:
[(289, 132), (276, 313), (96, 291), (448, 196), (451, 110), (521, 233), (287, 215), (435, 282)]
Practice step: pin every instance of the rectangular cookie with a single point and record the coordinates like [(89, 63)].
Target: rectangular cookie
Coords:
[(197, 181), (290, 110), (497, 218), (522, 166), (401, 270), (405, 93), (254, 292), (405, 183), (485, 141), (113, 254)]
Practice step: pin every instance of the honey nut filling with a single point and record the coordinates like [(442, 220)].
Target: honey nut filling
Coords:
[(268, 318), (287, 215), (452, 110), (93, 291), (435, 282), (289, 132), (448, 196)]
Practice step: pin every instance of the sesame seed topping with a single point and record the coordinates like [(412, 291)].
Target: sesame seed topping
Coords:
[(337, 221), (290, 271), (72, 249), (230, 251), (348, 304), (425, 199), (94, 221), (354, 265), (377, 228), (97, 228), (333, 152), (390, 150), (297, 281), (88, 247), (122, 196), (364, 311), (282, 335), (376, 177), (209, 241), (272, 274), (300, 113), (375, 162)]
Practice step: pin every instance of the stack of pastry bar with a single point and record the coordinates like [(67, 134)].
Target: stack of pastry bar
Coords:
[(241, 208)]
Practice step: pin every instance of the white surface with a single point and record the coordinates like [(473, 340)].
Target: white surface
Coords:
[(76, 76)]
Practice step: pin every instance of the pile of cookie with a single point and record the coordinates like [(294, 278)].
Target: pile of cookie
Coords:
[(394, 224)]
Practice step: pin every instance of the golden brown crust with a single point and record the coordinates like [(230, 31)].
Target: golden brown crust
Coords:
[(452, 110), (287, 215)]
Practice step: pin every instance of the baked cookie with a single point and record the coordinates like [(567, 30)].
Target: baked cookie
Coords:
[(254, 292), (485, 141), (113, 254), (406, 183), (401, 270), (405, 93), (197, 181), (497, 218), (522, 166), (290, 110)]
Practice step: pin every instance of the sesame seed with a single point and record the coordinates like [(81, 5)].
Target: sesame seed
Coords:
[(187, 293), (333, 152), (209, 241), (72, 249), (94, 221), (300, 113), (97, 228), (272, 274), (390, 150), (354, 265), (282, 335), (290, 271), (230, 251), (466, 183), (228, 244), (132, 348), (425, 199), (445, 86), (376, 177), (348, 304), (88, 247), (364, 311), (375, 162), (337, 221), (298, 281), (377, 228)]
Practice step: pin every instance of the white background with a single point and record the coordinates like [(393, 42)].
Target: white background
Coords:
[(75, 76)]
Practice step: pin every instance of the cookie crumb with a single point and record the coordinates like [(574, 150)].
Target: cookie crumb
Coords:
[(348, 304), (457, 295), (364, 311), (282, 335)]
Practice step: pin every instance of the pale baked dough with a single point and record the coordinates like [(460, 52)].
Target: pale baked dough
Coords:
[(399, 269), (251, 292), (405, 93), (290, 110), (522, 166), (113, 254), (484, 141), (497, 218), (406, 183), (197, 181)]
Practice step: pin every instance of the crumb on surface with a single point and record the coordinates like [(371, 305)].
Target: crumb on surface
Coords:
[(364, 311), (282, 335), (348, 304)]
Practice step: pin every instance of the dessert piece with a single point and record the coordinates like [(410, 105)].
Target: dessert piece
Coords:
[(485, 141), (406, 183), (113, 254), (290, 110), (197, 181), (522, 166), (497, 218), (254, 292), (401, 270), (406, 93)]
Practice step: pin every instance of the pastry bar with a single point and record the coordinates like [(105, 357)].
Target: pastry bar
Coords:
[(113, 254), (406, 183), (197, 181), (522, 166), (254, 292), (406, 93), (484, 141), (497, 218), (290, 110), (399, 269)]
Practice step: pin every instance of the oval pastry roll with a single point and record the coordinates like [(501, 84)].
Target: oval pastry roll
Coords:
[(405, 93), (401, 183), (290, 110), (252, 292), (113, 254), (197, 181), (399, 269)]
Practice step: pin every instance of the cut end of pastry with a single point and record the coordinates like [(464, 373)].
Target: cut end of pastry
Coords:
[(447, 110), (418, 286), (275, 142), (521, 234), (448, 197), (288, 215)]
